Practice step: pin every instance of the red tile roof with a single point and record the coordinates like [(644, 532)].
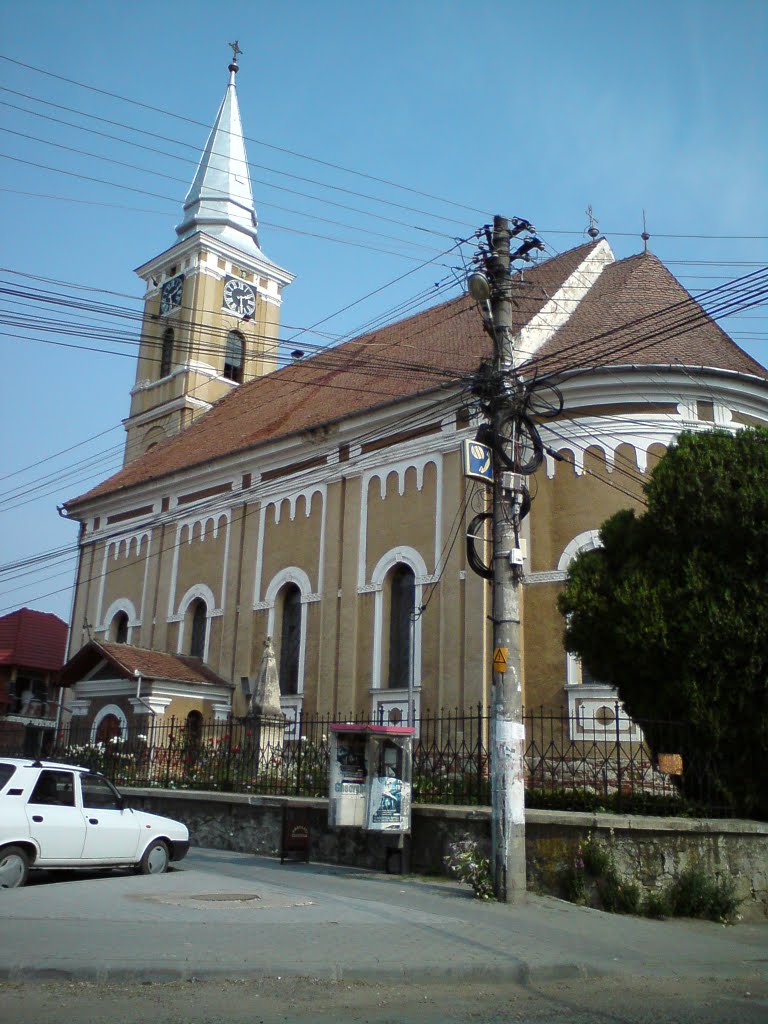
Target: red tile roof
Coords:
[(638, 313), (33, 640), (421, 353), (125, 659), (435, 348)]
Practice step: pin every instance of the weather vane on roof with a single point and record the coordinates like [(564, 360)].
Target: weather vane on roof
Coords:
[(645, 236), (235, 51)]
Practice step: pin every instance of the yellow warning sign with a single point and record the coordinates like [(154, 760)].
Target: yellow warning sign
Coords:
[(500, 659)]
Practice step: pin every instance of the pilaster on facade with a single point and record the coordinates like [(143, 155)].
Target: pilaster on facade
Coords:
[(149, 705), (382, 473), (185, 532), (273, 504), (113, 548), (222, 711)]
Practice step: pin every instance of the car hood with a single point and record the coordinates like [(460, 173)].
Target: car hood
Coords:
[(157, 823)]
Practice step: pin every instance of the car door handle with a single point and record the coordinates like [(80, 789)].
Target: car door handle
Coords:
[(37, 817), (93, 821)]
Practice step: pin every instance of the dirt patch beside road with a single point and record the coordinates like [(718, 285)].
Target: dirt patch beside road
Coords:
[(573, 1001)]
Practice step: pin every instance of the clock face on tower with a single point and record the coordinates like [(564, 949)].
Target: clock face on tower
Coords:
[(239, 297), (170, 294)]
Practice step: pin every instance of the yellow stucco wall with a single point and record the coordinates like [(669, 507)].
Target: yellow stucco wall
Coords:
[(340, 620)]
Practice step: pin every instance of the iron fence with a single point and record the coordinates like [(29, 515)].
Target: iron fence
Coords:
[(569, 762)]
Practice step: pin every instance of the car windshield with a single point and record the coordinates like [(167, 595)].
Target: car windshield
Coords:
[(6, 771)]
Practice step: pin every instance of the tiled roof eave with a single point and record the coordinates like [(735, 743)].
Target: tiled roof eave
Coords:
[(84, 501), (678, 367), (95, 653)]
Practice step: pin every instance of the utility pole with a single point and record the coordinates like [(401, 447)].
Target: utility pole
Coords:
[(508, 731), (508, 402)]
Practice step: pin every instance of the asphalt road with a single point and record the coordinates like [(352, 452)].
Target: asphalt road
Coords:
[(235, 937)]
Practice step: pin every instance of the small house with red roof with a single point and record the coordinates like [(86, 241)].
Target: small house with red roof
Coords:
[(32, 649)]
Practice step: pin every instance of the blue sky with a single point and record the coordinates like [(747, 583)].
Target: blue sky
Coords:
[(528, 110)]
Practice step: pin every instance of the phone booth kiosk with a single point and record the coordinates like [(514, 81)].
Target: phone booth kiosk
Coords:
[(370, 778)]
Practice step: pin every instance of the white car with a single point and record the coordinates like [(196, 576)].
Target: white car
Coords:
[(60, 816)]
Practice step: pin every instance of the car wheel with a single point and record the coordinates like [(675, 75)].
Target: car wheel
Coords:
[(14, 867), (156, 859)]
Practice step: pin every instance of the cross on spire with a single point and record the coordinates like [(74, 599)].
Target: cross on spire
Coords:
[(235, 51)]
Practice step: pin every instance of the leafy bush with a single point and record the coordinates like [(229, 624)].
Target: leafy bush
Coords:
[(673, 607), (592, 877), (612, 803), (695, 894), (657, 905), (466, 863)]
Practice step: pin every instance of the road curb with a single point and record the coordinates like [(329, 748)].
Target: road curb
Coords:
[(520, 973)]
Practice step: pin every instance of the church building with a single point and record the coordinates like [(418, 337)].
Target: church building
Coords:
[(323, 503)]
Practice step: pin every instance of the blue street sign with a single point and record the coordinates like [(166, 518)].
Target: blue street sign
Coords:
[(477, 461)]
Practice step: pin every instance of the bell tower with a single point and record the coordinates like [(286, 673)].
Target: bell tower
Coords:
[(212, 302)]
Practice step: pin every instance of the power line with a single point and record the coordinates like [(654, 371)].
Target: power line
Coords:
[(156, 195), (259, 142), (195, 149), (220, 503)]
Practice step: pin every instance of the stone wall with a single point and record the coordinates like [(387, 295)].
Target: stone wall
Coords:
[(648, 850)]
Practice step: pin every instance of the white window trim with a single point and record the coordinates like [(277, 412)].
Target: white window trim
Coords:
[(410, 557), (122, 604), (292, 574), (198, 592), (589, 540), (102, 713), (585, 699)]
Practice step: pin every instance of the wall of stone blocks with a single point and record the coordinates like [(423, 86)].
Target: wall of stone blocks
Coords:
[(647, 850)]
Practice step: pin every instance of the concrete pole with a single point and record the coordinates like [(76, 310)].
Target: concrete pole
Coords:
[(508, 731)]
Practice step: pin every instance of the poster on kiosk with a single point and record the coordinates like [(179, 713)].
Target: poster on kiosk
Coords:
[(370, 778)]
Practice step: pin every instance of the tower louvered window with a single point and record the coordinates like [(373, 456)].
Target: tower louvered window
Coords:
[(166, 357), (233, 357)]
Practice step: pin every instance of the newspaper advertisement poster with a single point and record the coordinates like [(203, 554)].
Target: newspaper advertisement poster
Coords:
[(389, 806)]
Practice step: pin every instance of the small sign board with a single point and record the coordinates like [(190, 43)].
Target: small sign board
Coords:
[(296, 834), (477, 460), (671, 764), (500, 656)]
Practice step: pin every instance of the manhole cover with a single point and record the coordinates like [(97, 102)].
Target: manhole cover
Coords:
[(226, 897)]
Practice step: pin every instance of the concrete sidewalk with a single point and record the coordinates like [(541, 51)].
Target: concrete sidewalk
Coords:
[(234, 915)]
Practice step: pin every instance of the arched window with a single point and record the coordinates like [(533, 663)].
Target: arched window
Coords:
[(109, 722), (402, 602), (290, 638), (193, 729), (233, 357), (166, 357), (118, 630), (197, 620), (108, 728)]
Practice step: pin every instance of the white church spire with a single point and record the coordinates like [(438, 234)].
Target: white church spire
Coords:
[(220, 201)]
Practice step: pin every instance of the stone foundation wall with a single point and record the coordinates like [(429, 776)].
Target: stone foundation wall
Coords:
[(650, 851)]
